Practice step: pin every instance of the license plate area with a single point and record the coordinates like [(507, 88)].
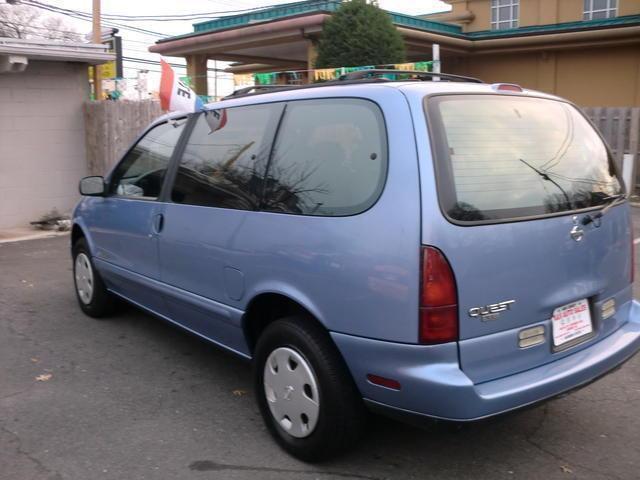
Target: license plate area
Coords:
[(571, 325)]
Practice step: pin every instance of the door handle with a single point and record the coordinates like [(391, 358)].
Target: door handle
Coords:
[(158, 223)]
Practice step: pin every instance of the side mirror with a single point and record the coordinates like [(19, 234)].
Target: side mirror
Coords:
[(92, 186)]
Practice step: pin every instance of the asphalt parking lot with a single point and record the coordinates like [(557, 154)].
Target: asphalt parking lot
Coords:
[(133, 398)]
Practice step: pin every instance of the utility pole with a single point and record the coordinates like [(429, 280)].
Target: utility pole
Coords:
[(215, 80), (436, 61), (97, 38)]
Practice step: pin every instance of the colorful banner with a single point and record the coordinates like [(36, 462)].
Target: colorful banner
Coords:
[(243, 79), (423, 66), (265, 78), (324, 74), (404, 66), (328, 74)]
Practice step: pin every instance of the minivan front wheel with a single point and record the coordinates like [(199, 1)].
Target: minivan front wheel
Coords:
[(307, 398), (93, 297)]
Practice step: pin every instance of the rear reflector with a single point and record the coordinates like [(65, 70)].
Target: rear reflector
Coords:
[(438, 299), (530, 337), (609, 308), (383, 382)]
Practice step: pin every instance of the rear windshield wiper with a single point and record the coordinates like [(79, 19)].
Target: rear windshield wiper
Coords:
[(546, 177), (610, 201)]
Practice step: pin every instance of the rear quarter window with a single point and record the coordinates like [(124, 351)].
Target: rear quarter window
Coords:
[(329, 158), (501, 158)]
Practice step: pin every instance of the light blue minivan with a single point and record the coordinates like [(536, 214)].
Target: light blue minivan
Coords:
[(446, 249)]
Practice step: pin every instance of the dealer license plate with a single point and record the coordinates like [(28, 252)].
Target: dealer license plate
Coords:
[(571, 324)]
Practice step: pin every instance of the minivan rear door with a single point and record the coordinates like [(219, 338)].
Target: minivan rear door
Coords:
[(520, 181)]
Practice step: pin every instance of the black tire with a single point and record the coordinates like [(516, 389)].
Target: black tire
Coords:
[(100, 303), (341, 417)]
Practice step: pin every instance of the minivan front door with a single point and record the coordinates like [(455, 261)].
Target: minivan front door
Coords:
[(125, 224)]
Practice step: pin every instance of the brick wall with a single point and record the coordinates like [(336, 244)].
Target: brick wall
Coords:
[(42, 144)]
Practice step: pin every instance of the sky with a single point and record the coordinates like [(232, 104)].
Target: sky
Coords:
[(135, 44)]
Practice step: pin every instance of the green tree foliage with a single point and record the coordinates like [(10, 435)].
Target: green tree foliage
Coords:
[(359, 33)]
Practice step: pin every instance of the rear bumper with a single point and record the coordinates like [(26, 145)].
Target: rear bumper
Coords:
[(433, 384)]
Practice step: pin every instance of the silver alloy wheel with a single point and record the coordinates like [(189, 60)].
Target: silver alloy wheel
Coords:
[(292, 392), (84, 278)]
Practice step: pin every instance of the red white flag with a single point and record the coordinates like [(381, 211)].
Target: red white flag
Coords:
[(175, 95)]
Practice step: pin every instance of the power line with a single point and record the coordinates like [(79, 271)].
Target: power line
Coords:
[(210, 77), (125, 58), (87, 18), (125, 41), (71, 13), (157, 18), (153, 62)]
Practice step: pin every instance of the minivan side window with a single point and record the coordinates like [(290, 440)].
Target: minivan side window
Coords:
[(225, 167), (141, 172), (330, 158)]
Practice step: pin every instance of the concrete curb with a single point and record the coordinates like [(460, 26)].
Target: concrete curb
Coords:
[(33, 236)]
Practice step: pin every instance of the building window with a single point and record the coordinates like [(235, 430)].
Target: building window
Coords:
[(504, 14), (598, 9)]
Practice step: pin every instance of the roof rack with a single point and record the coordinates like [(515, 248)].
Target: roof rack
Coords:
[(259, 89), (361, 76), (375, 73)]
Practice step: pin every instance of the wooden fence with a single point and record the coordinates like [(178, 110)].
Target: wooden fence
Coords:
[(111, 128), (621, 128)]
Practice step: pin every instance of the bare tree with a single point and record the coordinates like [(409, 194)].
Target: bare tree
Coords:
[(21, 21), (57, 29), (17, 21)]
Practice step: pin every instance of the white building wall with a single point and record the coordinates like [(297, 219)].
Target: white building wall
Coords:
[(42, 144)]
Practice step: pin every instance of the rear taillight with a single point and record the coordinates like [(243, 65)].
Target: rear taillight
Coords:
[(438, 299)]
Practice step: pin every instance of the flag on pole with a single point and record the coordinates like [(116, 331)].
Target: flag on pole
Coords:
[(175, 95)]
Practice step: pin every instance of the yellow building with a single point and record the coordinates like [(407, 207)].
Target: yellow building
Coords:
[(585, 50)]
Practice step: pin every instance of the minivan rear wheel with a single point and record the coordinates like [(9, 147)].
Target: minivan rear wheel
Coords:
[(93, 297), (306, 396)]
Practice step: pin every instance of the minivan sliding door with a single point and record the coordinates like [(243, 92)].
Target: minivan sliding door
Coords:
[(217, 190)]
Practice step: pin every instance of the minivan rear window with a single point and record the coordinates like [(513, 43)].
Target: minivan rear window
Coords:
[(507, 157)]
